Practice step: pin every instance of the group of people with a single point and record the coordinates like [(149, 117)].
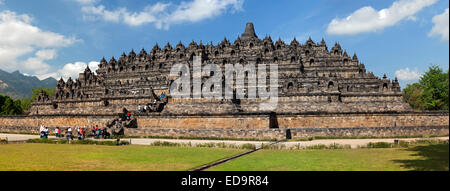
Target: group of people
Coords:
[(81, 133), (43, 130), (147, 107), (69, 134), (100, 132)]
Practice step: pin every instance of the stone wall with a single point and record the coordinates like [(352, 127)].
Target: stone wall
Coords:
[(368, 132), (257, 126), (413, 119)]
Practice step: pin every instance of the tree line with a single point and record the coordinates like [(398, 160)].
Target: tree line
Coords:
[(9, 106), (430, 92)]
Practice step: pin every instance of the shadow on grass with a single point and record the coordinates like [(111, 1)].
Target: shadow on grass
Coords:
[(434, 158)]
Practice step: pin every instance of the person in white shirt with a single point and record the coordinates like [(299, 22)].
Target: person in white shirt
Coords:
[(41, 128), (41, 131), (45, 133), (69, 134)]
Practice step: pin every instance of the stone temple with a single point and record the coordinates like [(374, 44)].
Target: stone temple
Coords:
[(322, 91), (312, 78)]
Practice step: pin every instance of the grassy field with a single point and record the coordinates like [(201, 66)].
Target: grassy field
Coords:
[(420, 157), (53, 157), (60, 157)]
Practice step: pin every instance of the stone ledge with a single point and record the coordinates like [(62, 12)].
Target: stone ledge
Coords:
[(244, 114)]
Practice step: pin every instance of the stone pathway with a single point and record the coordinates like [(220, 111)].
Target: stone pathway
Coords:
[(20, 137), (354, 143)]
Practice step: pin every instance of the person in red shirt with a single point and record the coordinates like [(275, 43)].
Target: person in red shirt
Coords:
[(82, 133)]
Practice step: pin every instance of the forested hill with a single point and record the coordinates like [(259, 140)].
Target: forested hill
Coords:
[(18, 86)]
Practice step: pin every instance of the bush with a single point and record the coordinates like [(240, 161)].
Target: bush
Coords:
[(331, 146), (403, 143), (248, 146), (379, 145), (208, 145), (165, 144), (82, 142), (51, 141)]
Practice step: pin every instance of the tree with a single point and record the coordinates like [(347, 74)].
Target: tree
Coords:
[(26, 103), (37, 91), (431, 92), (10, 107), (411, 94)]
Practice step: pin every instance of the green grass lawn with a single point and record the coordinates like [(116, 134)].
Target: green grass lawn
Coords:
[(420, 157), (61, 157)]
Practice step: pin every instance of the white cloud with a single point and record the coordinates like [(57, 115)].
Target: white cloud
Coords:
[(84, 2), (440, 26), (73, 70), (408, 75), (367, 19), (162, 15), (37, 63), (26, 47)]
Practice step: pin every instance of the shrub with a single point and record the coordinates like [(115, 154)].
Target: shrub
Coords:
[(51, 141), (403, 143), (248, 146), (320, 146), (379, 145), (82, 142), (209, 145), (165, 144)]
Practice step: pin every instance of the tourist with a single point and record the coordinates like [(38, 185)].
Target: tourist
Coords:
[(82, 132), (57, 132), (98, 131), (78, 132), (41, 131), (139, 108), (93, 131), (45, 133), (105, 133), (128, 116), (69, 134), (145, 108)]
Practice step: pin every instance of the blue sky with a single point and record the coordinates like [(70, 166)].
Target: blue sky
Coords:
[(60, 37)]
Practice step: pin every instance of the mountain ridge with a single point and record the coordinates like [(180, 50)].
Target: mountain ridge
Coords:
[(18, 86)]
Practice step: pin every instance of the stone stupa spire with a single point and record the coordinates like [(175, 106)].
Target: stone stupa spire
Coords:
[(249, 32)]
